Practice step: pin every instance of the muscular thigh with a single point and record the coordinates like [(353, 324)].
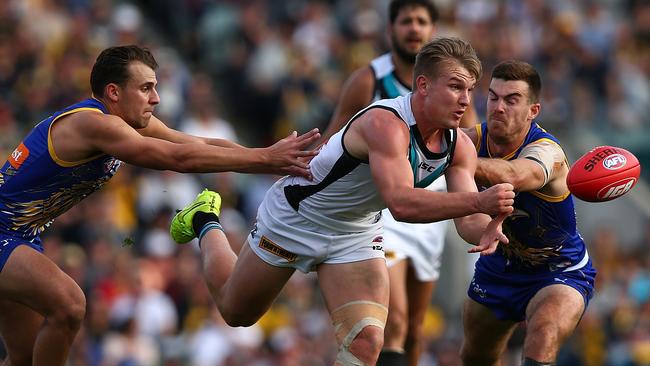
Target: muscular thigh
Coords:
[(560, 305), (32, 279), (484, 332), (254, 284), (19, 326), (363, 280)]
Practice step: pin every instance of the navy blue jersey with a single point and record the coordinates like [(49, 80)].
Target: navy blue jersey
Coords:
[(36, 185), (542, 229)]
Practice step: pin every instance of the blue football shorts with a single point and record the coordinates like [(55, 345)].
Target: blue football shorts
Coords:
[(507, 294), (9, 243)]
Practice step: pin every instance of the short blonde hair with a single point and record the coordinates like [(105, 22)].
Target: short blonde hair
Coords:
[(439, 51)]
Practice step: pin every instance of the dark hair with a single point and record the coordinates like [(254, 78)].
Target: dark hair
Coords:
[(112, 64), (441, 50), (520, 70), (397, 5)]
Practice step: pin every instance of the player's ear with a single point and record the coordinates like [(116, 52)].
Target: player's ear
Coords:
[(534, 110), (421, 83), (112, 92)]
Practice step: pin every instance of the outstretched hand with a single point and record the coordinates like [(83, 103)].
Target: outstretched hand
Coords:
[(491, 237), (288, 156)]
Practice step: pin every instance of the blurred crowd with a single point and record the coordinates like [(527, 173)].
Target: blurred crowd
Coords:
[(255, 70)]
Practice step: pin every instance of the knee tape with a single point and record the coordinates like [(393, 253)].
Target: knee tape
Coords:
[(349, 319)]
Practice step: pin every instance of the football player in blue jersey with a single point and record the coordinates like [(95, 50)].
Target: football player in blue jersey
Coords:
[(71, 154), (543, 276)]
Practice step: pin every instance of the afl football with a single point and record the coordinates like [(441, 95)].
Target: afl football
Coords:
[(603, 173)]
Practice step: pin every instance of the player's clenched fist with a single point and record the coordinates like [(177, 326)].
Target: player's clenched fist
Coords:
[(497, 199)]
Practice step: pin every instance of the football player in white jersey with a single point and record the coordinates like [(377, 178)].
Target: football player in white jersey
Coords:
[(413, 251), (332, 223)]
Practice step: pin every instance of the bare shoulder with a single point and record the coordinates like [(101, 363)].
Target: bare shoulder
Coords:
[(362, 79), (466, 136), (383, 119), (384, 129), (378, 130), (74, 136), (358, 88), (92, 117), (93, 125), (85, 121)]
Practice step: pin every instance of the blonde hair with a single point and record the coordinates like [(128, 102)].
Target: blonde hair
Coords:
[(440, 51)]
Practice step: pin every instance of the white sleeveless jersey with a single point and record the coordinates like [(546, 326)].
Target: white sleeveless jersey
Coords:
[(388, 86), (422, 244), (342, 195)]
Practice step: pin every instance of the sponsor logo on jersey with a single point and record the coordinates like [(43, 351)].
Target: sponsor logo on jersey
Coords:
[(18, 156), (427, 167), (271, 247), (614, 162)]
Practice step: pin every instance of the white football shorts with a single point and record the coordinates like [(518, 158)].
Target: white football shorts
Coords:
[(283, 238)]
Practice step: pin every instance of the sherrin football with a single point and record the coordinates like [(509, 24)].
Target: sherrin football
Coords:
[(602, 174)]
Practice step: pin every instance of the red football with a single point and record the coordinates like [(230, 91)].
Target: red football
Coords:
[(604, 173)]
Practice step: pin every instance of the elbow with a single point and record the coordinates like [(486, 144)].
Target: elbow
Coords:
[(400, 212), (184, 165), (464, 228)]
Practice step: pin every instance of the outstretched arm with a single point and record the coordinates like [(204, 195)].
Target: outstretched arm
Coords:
[(160, 130), (538, 164), (111, 135)]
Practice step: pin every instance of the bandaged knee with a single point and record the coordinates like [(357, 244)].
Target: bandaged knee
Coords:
[(349, 320)]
